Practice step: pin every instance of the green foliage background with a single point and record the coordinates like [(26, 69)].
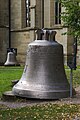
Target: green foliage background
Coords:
[(71, 16)]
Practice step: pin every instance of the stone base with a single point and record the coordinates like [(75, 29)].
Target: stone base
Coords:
[(9, 96)]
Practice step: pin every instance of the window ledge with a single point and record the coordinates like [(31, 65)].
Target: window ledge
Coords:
[(24, 29), (59, 26)]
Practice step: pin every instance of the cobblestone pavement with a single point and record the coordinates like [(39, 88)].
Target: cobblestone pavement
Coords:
[(31, 102)]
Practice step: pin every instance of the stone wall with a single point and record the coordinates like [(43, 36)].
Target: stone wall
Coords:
[(3, 44), (21, 35), (38, 14), (16, 21), (4, 29), (20, 40), (4, 16)]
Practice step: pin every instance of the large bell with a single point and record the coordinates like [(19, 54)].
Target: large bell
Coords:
[(44, 75), (11, 60)]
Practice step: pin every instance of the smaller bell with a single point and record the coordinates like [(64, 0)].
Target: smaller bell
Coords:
[(11, 60)]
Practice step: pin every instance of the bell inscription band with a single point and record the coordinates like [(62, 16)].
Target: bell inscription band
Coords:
[(44, 75)]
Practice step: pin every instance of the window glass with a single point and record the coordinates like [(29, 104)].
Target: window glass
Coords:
[(57, 12), (27, 13)]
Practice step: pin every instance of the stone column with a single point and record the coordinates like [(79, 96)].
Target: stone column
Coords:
[(33, 13), (48, 13), (4, 29), (16, 22), (38, 14)]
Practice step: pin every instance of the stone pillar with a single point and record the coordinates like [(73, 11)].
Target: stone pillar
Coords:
[(4, 16), (52, 13), (38, 14), (16, 22), (4, 36), (33, 13), (48, 13), (4, 29)]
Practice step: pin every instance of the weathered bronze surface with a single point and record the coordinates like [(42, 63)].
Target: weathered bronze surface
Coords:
[(44, 75), (11, 59)]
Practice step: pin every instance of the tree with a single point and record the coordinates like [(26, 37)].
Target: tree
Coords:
[(71, 17)]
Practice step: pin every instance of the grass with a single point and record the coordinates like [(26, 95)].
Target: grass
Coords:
[(47, 111), (7, 74), (76, 77)]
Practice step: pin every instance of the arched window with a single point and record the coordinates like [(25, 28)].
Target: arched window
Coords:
[(27, 13), (57, 12)]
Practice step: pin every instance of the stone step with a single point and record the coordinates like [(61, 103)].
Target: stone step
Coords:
[(9, 96)]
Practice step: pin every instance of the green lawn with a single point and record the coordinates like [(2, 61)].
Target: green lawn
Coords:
[(47, 111), (7, 74), (76, 77), (42, 112)]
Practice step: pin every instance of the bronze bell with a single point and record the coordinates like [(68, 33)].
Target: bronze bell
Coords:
[(11, 60), (44, 75)]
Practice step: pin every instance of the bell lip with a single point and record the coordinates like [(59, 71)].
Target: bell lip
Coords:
[(41, 94), (9, 64)]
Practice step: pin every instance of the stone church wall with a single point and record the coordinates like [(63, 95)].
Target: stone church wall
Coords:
[(22, 35)]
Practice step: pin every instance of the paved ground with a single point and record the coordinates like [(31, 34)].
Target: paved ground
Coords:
[(30, 102)]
